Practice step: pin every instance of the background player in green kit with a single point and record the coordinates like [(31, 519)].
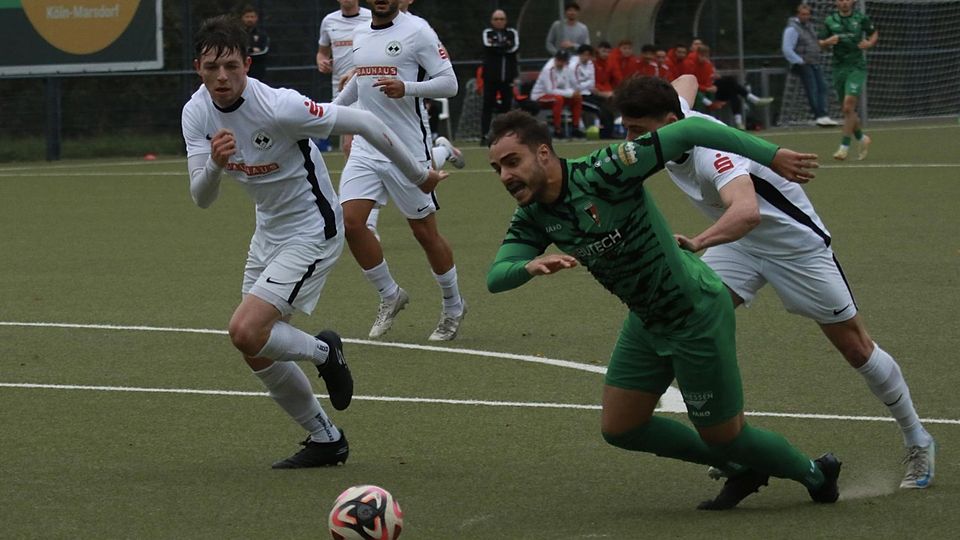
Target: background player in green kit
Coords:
[(680, 324), (850, 33)]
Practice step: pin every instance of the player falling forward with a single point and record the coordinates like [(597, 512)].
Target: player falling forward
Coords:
[(262, 137), (681, 322), (393, 58), (766, 230)]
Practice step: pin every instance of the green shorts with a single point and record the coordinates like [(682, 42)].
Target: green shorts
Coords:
[(702, 357), (849, 81)]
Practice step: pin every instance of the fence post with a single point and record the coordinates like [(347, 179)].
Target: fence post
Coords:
[(54, 117)]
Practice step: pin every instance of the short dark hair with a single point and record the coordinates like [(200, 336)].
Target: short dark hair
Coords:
[(584, 48), (643, 97), (222, 34), (648, 48), (530, 132), (604, 45), (562, 55), (571, 5), (248, 9)]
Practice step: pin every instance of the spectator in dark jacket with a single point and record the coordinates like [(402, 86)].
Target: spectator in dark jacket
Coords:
[(500, 44)]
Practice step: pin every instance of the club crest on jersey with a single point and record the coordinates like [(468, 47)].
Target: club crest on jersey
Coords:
[(262, 140), (627, 152), (591, 210), (394, 48)]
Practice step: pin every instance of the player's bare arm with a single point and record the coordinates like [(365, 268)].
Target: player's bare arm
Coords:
[(794, 166), (870, 41), (222, 146), (325, 59), (830, 41), (741, 216), (550, 264)]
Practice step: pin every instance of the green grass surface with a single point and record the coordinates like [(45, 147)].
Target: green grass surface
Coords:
[(120, 243)]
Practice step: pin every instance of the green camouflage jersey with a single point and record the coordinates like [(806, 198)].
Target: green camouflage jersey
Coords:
[(605, 218), (852, 29)]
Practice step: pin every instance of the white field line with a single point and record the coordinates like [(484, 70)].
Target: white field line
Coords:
[(671, 401)]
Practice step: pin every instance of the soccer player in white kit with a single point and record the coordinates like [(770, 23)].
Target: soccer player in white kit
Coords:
[(399, 61), (261, 137), (766, 230), (335, 51)]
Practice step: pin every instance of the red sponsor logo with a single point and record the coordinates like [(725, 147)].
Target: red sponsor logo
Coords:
[(379, 71), (343, 43), (443, 51), (252, 170), (723, 163), (313, 108)]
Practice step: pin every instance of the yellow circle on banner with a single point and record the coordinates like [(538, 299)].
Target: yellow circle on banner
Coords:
[(79, 26)]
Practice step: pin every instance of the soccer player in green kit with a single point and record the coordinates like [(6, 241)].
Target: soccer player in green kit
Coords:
[(850, 33), (680, 324)]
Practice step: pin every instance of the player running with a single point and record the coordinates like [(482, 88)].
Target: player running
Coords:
[(399, 61), (766, 230), (850, 33), (261, 136), (680, 324)]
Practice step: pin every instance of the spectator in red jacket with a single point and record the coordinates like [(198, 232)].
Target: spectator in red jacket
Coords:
[(628, 63), (607, 71)]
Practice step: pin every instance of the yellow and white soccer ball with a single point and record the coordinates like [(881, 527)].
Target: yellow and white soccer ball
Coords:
[(365, 513)]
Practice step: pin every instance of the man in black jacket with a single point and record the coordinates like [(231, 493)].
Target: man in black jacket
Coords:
[(500, 44)]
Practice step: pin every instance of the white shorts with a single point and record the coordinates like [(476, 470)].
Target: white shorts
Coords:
[(290, 276), (812, 285), (370, 179)]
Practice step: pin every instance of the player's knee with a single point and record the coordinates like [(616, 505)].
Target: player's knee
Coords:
[(354, 224), (247, 338)]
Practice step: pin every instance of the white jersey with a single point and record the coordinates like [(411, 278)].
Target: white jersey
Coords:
[(406, 49), (276, 162), (789, 226), (337, 31)]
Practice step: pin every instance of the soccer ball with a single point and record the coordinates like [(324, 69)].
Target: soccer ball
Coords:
[(365, 513)]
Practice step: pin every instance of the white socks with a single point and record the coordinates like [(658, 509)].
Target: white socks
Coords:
[(289, 344), (289, 387), (440, 154), (452, 303), (886, 381), (372, 221), (379, 276)]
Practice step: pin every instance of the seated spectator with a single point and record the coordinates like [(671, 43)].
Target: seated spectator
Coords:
[(650, 67), (555, 89), (719, 91), (607, 71), (678, 61), (628, 63), (585, 72), (663, 64)]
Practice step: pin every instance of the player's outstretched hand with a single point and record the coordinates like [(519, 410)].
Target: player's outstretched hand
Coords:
[(550, 264), (434, 177), (393, 88), (222, 146), (794, 166), (687, 244)]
